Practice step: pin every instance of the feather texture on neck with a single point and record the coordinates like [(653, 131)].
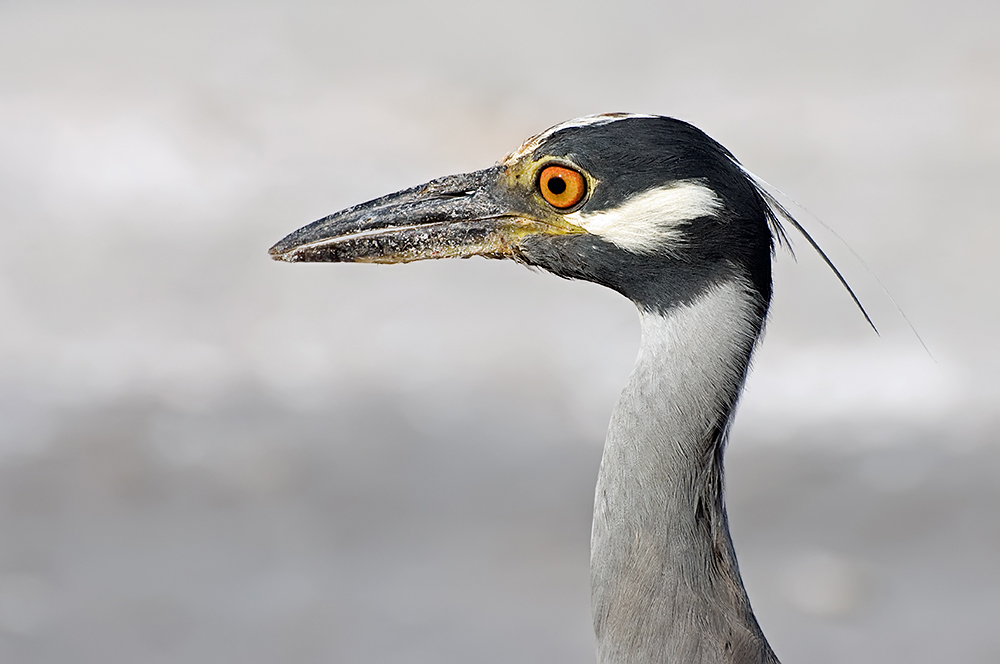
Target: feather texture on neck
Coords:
[(665, 583)]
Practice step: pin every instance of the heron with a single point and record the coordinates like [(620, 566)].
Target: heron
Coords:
[(655, 209)]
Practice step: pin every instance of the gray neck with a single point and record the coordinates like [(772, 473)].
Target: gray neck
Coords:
[(665, 584)]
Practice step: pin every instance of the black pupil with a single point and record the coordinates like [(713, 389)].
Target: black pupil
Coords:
[(556, 185)]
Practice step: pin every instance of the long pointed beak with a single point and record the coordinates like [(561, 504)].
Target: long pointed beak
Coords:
[(457, 216)]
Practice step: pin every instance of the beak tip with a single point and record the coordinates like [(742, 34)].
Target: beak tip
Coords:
[(279, 253)]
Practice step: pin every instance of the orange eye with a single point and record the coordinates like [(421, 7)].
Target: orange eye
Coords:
[(561, 187)]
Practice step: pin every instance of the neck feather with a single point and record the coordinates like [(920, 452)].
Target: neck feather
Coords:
[(665, 583)]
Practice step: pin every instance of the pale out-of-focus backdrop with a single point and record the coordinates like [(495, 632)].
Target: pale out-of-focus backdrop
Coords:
[(206, 456)]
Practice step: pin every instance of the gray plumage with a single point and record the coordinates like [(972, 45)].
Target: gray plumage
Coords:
[(664, 579)]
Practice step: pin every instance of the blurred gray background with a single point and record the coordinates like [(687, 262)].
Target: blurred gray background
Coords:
[(206, 456)]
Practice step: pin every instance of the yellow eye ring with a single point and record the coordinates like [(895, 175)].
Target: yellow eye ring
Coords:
[(561, 187)]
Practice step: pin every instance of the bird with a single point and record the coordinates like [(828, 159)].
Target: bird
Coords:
[(655, 209)]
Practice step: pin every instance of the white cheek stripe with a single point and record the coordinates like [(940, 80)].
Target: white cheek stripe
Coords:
[(651, 221)]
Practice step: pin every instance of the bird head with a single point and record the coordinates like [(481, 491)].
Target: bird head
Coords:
[(648, 206)]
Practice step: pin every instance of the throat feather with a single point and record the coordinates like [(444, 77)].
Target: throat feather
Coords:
[(665, 582)]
